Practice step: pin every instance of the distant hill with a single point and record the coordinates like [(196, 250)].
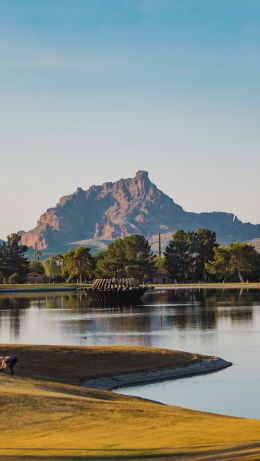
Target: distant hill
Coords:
[(115, 209)]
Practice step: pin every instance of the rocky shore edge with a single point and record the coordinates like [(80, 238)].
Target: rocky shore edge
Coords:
[(145, 377)]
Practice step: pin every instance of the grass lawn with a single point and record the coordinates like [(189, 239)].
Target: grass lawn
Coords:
[(36, 286), (63, 286), (46, 415), (72, 365), (217, 285)]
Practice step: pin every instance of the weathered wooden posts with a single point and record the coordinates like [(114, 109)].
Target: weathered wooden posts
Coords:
[(116, 291)]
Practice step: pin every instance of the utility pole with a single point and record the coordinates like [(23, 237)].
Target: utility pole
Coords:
[(37, 253), (160, 246)]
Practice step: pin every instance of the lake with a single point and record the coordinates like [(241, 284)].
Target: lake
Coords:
[(213, 322)]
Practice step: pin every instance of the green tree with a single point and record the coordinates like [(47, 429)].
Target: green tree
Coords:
[(14, 278), (242, 259), (130, 256), (78, 263), (84, 263), (179, 257), (12, 258), (139, 258), (36, 266), (188, 252), (37, 255), (159, 262), (219, 265), (237, 259), (3, 259), (203, 244), (67, 267), (111, 262), (52, 268)]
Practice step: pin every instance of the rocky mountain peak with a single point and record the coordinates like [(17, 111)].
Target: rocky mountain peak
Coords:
[(142, 175), (127, 206)]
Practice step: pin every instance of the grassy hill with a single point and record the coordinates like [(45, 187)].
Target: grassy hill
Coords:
[(45, 417)]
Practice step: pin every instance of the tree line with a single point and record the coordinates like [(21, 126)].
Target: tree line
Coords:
[(190, 256), (196, 256)]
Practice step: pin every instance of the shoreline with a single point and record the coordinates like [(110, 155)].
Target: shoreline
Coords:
[(212, 286), (106, 368), (37, 290), (53, 362), (210, 365), (45, 288)]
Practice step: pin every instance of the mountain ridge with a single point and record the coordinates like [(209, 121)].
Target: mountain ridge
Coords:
[(115, 209)]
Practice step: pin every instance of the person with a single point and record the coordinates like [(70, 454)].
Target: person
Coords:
[(8, 361)]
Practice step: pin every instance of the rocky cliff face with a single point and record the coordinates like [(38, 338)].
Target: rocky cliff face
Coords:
[(127, 206)]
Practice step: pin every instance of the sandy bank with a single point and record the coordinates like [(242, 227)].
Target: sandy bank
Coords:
[(143, 377)]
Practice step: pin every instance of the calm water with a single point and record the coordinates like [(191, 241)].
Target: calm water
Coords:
[(226, 324)]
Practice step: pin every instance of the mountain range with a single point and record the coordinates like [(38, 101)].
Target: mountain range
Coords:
[(114, 209)]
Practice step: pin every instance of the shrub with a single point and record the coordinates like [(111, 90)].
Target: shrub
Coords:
[(14, 278)]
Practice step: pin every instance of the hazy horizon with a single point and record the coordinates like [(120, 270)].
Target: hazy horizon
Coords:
[(92, 91)]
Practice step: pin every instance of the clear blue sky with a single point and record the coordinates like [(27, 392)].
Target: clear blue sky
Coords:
[(94, 90)]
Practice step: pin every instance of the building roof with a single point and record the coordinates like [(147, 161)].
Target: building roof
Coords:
[(161, 271)]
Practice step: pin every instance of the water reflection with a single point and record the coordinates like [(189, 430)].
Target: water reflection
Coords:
[(213, 322), (70, 318)]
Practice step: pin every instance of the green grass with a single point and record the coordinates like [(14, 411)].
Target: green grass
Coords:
[(51, 418), (220, 285), (36, 285), (62, 286), (32, 287)]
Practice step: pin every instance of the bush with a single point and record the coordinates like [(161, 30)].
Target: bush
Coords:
[(14, 278)]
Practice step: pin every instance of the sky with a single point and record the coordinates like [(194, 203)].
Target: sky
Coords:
[(94, 90)]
